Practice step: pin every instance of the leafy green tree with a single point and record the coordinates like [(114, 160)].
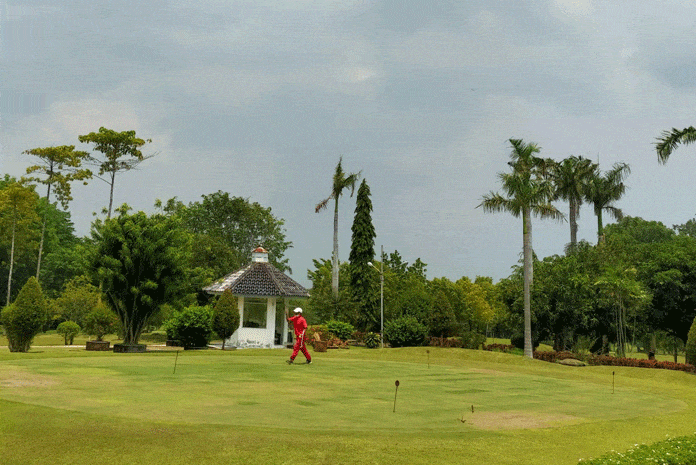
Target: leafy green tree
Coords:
[(138, 261), (570, 177), (25, 318), (68, 329), (58, 167), (100, 322), (623, 294), (322, 304), (226, 316), (120, 151), (362, 252), (603, 190), (17, 220), (527, 192), (79, 297), (341, 182), (229, 228)]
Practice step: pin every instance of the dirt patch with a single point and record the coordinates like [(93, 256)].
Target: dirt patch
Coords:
[(19, 380), (517, 420)]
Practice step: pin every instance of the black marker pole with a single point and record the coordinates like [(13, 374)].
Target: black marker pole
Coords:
[(395, 392)]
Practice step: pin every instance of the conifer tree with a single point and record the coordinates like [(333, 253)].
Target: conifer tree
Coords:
[(362, 251)]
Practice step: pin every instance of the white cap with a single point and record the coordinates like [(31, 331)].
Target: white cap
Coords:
[(298, 310)]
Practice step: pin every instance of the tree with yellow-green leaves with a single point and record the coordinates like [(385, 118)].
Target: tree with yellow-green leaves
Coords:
[(56, 169), (25, 317), (18, 221)]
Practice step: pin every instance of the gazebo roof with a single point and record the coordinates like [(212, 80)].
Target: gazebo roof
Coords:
[(259, 279)]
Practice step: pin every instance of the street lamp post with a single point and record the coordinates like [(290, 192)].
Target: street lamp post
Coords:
[(381, 297)]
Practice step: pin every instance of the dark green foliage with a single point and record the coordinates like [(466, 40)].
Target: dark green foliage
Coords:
[(362, 251), (474, 340), (691, 345), (234, 227), (100, 322), (340, 329), (404, 332), (226, 316), (25, 317), (138, 261), (372, 340), (68, 329), (193, 326)]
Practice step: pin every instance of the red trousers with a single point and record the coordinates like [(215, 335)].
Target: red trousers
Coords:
[(300, 346)]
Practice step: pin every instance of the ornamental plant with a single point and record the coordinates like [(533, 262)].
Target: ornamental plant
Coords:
[(193, 327), (340, 329), (100, 322), (226, 316), (405, 332), (25, 318), (691, 345), (68, 329)]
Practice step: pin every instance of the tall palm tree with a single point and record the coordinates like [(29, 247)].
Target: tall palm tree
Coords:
[(341, 181), (603, 190), (528, 192), (669, 141), (570, 177)]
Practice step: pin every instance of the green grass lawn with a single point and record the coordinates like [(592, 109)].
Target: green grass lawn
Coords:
[(67, 405)]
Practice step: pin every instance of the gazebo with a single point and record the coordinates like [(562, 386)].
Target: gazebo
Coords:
[(262, 293)]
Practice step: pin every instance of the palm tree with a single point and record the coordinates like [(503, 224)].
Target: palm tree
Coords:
[(528, 192), (603, 190), (570, 177), (341, 181), (670, 140)]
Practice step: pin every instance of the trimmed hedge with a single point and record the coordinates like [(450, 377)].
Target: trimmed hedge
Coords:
[(551, 356)]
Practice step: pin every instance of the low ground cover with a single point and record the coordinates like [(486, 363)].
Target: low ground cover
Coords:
[(65, 405)]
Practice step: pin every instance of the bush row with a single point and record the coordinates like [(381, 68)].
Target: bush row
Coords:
[(551, 356)]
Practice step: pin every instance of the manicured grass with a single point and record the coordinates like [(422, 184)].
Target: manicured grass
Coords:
[(65, 405)]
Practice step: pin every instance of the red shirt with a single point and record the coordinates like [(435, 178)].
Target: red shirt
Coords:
[(299, 324)]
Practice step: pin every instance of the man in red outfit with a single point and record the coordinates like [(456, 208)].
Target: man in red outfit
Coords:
[(300, 326)]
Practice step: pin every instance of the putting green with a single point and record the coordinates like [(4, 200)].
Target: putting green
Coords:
[(337, 392)]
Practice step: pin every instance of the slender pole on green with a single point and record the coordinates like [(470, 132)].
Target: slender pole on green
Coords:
[(395, 393), (175, 360)]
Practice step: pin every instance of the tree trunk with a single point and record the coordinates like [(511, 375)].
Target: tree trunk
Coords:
[(528, 278), (9, 277), (43, 232), (334, 258), (600, 228), (572, 219)]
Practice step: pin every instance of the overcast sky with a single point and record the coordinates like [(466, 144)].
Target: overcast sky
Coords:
[(261, 98)]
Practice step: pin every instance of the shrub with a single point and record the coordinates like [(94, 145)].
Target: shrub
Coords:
[(445, 342), (100, 322), (68, 329), (321, 330), (226, 316), (472, 340), (340, 329), (193, 326), (372, 340), (691, 345), (517, 340), (25, 317), (506, 348), (404, 332)]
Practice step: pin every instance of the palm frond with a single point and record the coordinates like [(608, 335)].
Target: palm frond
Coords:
[(322, 205), (670, 140)]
